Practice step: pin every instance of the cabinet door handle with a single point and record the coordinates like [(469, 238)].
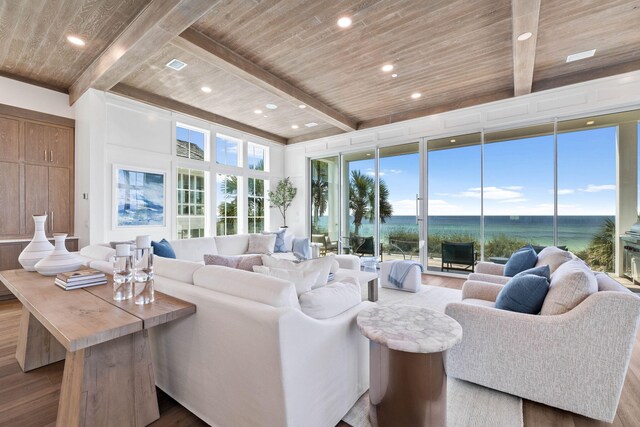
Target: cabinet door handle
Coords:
[(52, 221), (45, 155), (51, 155)]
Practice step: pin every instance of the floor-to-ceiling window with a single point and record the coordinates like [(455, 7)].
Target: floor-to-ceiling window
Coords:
[(359, 234), (518, 190), (227, 209), (191, 214), (255, 204), (454, 195), (325, 205)]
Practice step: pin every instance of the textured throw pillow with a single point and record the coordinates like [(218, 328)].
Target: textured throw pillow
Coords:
[(280, 244), (163, 249), (543, 271), (261, 243), (303, 280), (331, 300), (523, 293), (301, 247), (553, 257), (322, 265), (522, 259), (288, 240), (246, 262), (570, 284)]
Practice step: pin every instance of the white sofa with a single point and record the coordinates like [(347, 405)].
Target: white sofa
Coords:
[(249, 356)]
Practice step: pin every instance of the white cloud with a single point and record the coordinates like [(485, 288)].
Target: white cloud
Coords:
[(404, 207), (492, 193), (442, 207), (517, 200), (563, 191), (391, 171), (514, 187), (597, 188)]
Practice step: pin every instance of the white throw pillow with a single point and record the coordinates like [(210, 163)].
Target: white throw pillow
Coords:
[(98, 252), (288, 240), (331, 300), (570, 284), (261, 243), (303, 280), (321, 265), (553, 257)]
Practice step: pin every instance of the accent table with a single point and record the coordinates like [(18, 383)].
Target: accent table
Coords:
[(408, 384), (108, 376)]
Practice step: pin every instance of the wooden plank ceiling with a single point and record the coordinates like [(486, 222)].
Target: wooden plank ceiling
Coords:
[(250, 53)]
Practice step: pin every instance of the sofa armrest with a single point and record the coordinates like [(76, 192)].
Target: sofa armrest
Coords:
[(575, 361), (349, 262), (490, 278), (490, 268), (481, 290)]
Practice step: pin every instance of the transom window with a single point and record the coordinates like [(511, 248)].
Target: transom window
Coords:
[(192, 143), (256, 156), (191, 217), (227, 190), (228, 150), (255, 205)]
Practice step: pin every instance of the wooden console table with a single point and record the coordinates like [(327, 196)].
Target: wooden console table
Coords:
[(108, 375)]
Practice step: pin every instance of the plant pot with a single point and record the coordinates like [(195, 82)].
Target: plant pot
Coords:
[(60, 260), (38, 248)]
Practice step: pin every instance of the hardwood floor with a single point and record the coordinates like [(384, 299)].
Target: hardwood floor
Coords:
[(31, 399)]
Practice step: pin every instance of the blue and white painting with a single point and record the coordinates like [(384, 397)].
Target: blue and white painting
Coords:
[(140, 198)]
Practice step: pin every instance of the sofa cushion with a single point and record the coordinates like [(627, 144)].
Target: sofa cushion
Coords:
[(176, 269), (331, 300), (98, 252), (261, 243), (322, 265), (570, 284), (280, 243), (524, 293), (239, 262), (301, 247), (243, 284), (194, 249), (520, 260), (163, 249), (232, 245), (543, 271), (553, 257), (303, 280)]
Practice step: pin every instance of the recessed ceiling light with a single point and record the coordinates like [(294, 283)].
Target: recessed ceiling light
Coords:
[(311, 124), (590, 122), (387, 67), (416, 95), (205, 89), (302, 106), (294, 126), (453, 140), (176, 64), (394, 75), (524, 36), (581, 55), (344, 22), (368, 154), (264, 115), (271, 106), (75, 40), (257, 111)]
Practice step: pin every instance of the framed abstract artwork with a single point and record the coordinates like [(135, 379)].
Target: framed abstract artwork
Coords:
[(139, 197)]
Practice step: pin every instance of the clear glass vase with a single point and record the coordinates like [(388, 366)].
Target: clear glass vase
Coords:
[(143, 276), (122, 277)]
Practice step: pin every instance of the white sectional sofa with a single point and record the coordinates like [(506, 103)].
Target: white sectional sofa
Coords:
[(249, 356)]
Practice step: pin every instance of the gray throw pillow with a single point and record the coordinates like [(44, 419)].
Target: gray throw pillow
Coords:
[(241, 262), (261, 243)]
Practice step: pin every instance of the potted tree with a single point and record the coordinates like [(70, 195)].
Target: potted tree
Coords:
[(282, 197)]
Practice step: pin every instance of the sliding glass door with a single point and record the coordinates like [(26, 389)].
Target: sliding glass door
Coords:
[(325, 203)]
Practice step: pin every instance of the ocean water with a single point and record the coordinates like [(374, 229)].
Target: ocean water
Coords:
[(575, 232)]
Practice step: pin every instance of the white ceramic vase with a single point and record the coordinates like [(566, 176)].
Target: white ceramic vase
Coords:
[(39, 246), (60, 260)]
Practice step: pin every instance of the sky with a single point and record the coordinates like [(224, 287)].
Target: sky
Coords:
[(519, 177)]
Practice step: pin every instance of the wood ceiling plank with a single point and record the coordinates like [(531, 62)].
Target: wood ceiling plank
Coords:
[(583, 76), (314, 135), (155, 26), (526, 14), (168, 103), (226, 59)]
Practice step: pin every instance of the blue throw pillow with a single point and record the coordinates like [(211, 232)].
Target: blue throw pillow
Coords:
[(543, 271), (301, 247), (524, 293), (279, 246), (163, 249), (521, 260)]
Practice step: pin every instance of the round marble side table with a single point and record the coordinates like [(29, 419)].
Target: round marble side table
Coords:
[(408, 385)]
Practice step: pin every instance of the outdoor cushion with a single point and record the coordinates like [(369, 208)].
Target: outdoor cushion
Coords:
[(520, 260), (524, 293), (163, 249)]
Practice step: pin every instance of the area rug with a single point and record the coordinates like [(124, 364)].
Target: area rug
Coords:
[(468, 405)]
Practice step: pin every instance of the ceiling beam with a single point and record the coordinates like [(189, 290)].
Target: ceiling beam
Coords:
[(583, 76), (33, 82), (525, 16), (154, 27), (170, 104), (314, 135), (224, 58)]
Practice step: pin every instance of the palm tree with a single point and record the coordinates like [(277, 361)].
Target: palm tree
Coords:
[(362, 198), (601, 250), (319, 192), (228, 207)]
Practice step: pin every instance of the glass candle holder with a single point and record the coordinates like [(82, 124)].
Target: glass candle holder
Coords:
[(122, 273), (143, 276)]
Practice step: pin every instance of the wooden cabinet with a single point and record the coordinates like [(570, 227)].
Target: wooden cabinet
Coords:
[(9, 199), (48, 191), (59, 202), (51, 145), (9, 139)]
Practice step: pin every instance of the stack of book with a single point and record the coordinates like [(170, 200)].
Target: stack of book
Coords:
[(80, 279)]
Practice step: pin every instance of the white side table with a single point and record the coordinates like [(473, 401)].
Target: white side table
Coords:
[(408, 384)]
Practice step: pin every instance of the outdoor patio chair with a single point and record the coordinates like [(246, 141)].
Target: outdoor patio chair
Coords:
[(364, 246), (460, 254)]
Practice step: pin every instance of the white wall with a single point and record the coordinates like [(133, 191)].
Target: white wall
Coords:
[(30, 97), (112, 130), (595, 97)]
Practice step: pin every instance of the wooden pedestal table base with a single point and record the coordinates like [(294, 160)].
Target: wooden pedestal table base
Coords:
[(108, 377), (408, 385)]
